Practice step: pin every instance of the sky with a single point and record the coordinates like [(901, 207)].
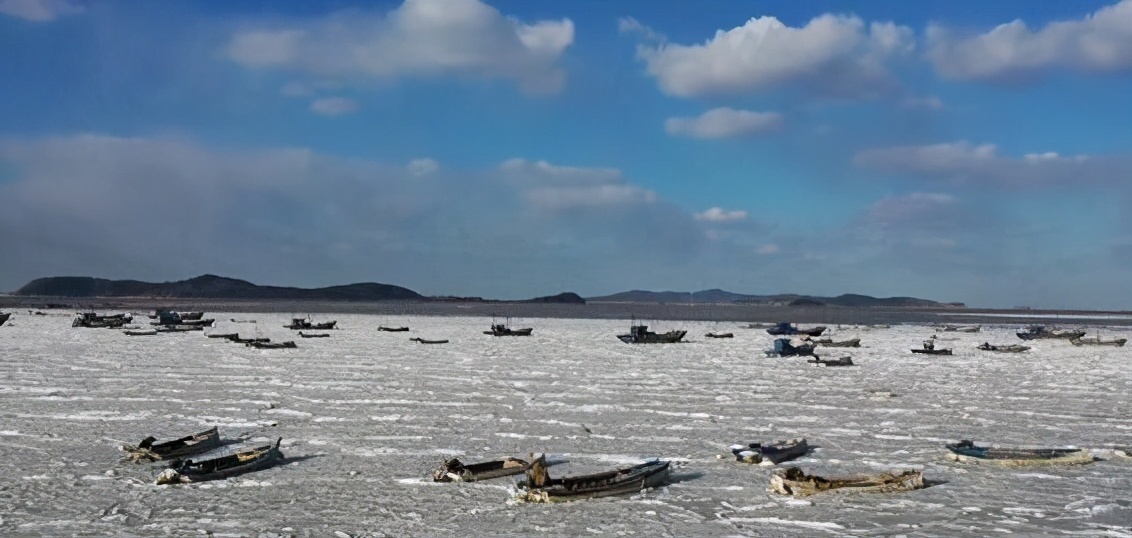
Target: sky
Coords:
[(969, 151)]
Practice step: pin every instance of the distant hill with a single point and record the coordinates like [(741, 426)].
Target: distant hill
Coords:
[(561, 298), (720, 296), (210, 287)]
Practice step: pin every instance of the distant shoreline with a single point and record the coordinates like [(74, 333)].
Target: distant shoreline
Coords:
[(647, 312)]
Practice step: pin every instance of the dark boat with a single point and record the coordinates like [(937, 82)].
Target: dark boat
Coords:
[(179, 328), (239, 340), (226, 336), (254, 459), (539, 487), (1038, 332), (929, 348), (793, 481), (1118, 342), (393, 329), (298, 324), (273, 345), (966, 451), (94, 321), (843, 361), (140, 332), (309, 335), (190, 316), (784, 348), (150, 450), (455, 471), (786, 328), (828, 342), (1013, 348), (961, 329), (424, 341), (720, 335), (640, 334), (770, 454), (504, 329), (4, 317)]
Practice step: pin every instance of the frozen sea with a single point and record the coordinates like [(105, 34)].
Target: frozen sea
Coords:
[(365, 416)]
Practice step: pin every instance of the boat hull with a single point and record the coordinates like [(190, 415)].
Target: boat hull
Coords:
[(794, 482)]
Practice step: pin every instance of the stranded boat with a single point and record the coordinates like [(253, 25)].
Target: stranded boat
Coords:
[(1037, 332), (454, 470), (1013, 348), (425, 341), (792, 481), (245, 461), (783, 347), (770, 454), (786, 328), (188, 445), (298, 324), (539, 487), (966, 451), (640, 334), (843, 361)]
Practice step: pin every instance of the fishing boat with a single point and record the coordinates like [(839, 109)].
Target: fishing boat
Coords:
[(226, 336), (828, 342), (793, 481), (273, 345), (1013, 348), (150, 450), (140, 332), (929, 348), (772, 453), (244, 461), (843, 361), (719, 335), (313, 335), (298, 324), (1118, 342), (787, 329), (504, 329), (425, 341), (783, 347), (640, 334), (454, 470), (239, 340), (392, 329), (179, 328), (1038, 332), (539, 487), (967, 452)]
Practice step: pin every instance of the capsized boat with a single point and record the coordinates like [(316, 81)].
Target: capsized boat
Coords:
[(150, 450), (772, 453), (967, 452), (244, 461), (793, 481), (538, 486), (454, 470)]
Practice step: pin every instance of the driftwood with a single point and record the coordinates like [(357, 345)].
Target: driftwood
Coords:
[(792, 481)]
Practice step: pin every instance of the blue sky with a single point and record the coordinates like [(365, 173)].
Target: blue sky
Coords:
[(958, 151)]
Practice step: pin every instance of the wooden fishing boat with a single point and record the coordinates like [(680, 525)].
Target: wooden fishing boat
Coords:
[(843, 361), (1118, 342), (140, 332), (179, 328), (770, 454), (392, 329), (539, 487), (273, 345), (720, 335), (828, 342), (788, 329), (1037, 332), (504, 329), (244, 461), (1013, 348), (932, 351), (239, 340), (792, 481), (454, 470), (150, 450), (424, 341), (226, 336), (966, 451), (298, 324), (313, 335), (640, 334)]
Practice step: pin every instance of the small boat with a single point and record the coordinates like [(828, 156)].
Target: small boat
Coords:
[(393, 329), (504, 329), (140, 332), (843, 361), (424, 341), (720, 335), (640, 334), (298, 324), (786, 329), (1013, 348), (244, 461), (4, 316), (539, 487), (179, 328), (191, 316), (273, 345), (150, 450), (783, 347), (239, 340), (1037, 332), (313, 335), (455, 471), (828, 342), (929, 348), (961, 328), (226, 336), (770, 454), (792, 481), (966, 451), (1119, 342)]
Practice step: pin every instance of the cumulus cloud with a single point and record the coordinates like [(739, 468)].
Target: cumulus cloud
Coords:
[(723, 123), (832, 55), (717, 214), (1099, 43), (565, 188), (418, 38), (542, 172), (965, 162), (40, 10), (334, 106), (423, 167)]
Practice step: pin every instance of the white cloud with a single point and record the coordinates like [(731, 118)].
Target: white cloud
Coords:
[(40, 10), (831, 55), (1099, 43), (631, 26), (418, 38), (963, 161), (717, 214), (723, 123), (423, 167), (542, 172), (769, 248), (334, 106)]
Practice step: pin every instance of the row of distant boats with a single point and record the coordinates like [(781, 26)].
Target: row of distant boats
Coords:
[(186, 463)]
